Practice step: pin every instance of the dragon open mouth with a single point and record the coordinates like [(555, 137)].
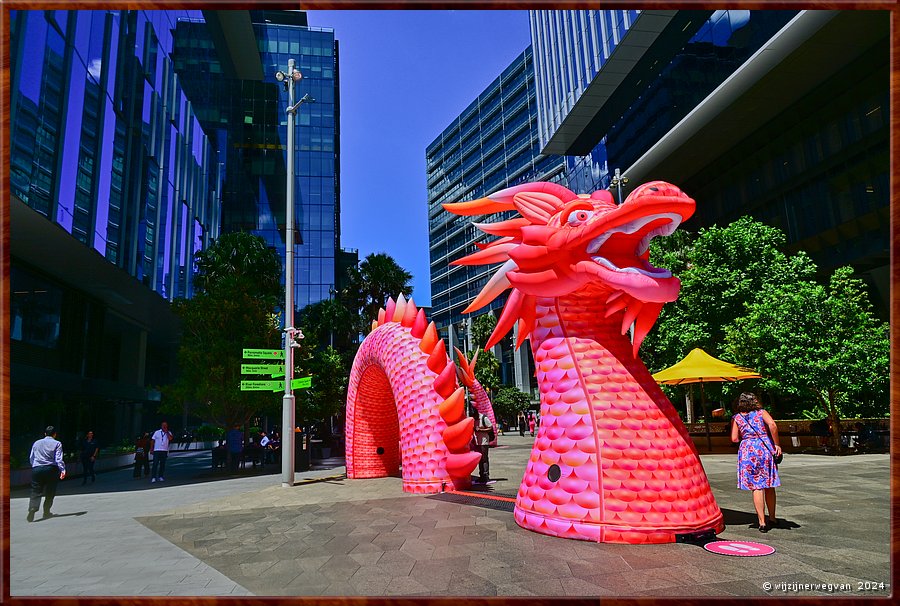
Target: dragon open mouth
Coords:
[(623, 249)]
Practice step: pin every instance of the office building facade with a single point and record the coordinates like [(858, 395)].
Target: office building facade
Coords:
[(755, 113), (491, 145), (242, 106), (112, 191)]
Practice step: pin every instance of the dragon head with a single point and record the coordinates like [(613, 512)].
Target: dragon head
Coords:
[(564, 243)]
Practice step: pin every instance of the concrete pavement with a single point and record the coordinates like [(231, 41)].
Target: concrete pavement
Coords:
[(203, 533)]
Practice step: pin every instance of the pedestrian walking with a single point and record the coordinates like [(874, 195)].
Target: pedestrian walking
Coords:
[(89, 452), (234, 440), (521, 422), (159, 445), (484, 435), (142, 455), (531, 425), (757, 469), (47, 469), (266, 444)]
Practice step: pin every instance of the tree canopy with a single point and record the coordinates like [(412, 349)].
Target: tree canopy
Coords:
[(509, 402), (238, 288), (377, 278), (805, 338)]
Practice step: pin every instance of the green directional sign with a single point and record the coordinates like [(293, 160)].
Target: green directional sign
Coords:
[(261, 369), (264, 354), (301, 383), (262, 385)]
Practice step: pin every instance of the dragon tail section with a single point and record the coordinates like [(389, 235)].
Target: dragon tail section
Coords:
[(405, 411)]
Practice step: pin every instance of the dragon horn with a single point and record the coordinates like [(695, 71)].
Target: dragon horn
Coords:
[(486, 256), (493, 289)]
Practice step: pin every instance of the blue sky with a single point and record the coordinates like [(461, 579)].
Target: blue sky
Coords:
[(404, 76)]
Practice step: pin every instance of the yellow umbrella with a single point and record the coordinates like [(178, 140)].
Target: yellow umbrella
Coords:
[(699, 367)]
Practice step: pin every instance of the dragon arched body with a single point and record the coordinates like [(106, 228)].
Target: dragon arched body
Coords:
[(611, 461), (404, 407)]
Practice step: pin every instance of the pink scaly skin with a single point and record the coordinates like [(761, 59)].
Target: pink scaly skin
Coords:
[(404, 406), (612, 461)]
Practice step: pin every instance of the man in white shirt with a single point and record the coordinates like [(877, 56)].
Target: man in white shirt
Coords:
[(159, 445), (264, 444), (47, 469)]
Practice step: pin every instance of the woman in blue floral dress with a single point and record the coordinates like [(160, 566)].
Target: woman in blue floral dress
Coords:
[(756, 469)]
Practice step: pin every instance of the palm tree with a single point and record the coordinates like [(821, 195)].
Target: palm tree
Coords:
[(377, 278)]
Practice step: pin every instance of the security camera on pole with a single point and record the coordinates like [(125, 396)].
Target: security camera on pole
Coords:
[(288, 413)]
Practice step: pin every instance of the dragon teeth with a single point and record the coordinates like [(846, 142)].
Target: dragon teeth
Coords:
[(658, 273), (630, 228)]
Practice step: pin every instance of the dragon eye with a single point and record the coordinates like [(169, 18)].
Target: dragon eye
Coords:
[(577, 217)]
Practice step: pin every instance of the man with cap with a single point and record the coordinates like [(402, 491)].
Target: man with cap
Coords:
[(47, 468)]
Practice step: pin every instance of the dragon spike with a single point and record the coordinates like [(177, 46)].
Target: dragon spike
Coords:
[(461, 465), (409, 316), (452, 409), (380, 316), (399, 308), (631, 312), (508, 228), (615, 295), (458, 435), (419, 325), (437, 360), (493, 289), (374, 324), (429, 339), (492, 254), (644, 322), (445, 383), (507, 318), (483, 245), (617, 305), (389, 310), (481, 206), (526, 316), (465, 371)]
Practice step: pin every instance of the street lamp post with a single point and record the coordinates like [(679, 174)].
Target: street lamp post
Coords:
[(618, 181), (292, 76)]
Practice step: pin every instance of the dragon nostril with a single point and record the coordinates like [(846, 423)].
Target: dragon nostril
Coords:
[(654, 189)]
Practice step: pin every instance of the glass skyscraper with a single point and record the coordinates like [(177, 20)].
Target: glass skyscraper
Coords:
[(757, 113), (491, 145), (112, 190), (246, 118)]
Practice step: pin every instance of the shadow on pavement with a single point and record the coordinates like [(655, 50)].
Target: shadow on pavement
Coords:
[(745, 518)]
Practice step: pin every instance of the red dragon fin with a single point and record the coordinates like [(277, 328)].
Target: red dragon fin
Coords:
[(409, 316), (493, 289), (419, 325), (491, 254), (507, 318), (429, 339), (464, 371), (445, 382), (631, 312), (526, 319), (437, 360), (644, 322), (389, 310), (537, 207)]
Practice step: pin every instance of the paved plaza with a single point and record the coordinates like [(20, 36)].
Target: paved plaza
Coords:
[(205, 533)]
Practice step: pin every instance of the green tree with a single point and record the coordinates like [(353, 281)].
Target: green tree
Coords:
[(377, 278), (487, 370), (807, 338), (328, 393), (482, 327), (722, 270), (509, 402), (238, 288), (328, 323)]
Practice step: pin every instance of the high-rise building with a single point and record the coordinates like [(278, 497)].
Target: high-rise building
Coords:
[(112, 190), (491, 145), (781, 115), (227, 63)]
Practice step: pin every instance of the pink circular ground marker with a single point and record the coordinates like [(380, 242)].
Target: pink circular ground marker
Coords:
[(739, 548)]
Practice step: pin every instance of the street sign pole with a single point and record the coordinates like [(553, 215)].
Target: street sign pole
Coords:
[(288, 412)]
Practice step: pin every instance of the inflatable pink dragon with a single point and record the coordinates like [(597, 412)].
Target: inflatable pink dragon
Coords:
[(612, 461)]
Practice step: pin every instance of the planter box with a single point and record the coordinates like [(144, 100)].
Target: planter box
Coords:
[(22, 477)]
